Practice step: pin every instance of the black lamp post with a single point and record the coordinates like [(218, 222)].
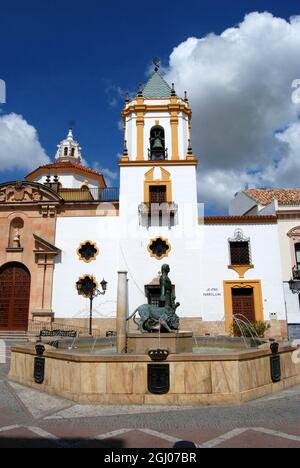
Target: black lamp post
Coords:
[(294, 286), (87, 287)]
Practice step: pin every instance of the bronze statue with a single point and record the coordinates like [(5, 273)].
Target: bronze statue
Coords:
[(165, 316), (166, 288)]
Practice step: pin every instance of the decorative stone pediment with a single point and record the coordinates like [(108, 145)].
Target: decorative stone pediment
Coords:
[(44, 247), (26, 192), (295, 232)]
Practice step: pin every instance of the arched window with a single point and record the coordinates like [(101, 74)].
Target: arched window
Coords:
[(66, 151), (16, 233), (157, 151), (73, 152)]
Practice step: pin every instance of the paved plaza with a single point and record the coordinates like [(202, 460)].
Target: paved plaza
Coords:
[(29, 418)]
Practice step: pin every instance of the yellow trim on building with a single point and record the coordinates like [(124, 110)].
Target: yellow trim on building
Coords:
[(241, 270), (140, 123), (165, 181), (93, 279), (174, 130), (258, 299), (157, 108), (153, 255), (180, 162), (84, 259)]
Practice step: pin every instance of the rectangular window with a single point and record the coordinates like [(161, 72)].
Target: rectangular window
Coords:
[(158, 194), (153, 295), (240, 253)]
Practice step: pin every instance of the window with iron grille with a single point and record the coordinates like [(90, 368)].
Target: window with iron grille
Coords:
[(240, 253), (158, 194), (153, 295)]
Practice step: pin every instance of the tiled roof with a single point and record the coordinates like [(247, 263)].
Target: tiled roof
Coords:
[(283, 196), (238, 220), (66, 165), (70, 165), (157, 87)]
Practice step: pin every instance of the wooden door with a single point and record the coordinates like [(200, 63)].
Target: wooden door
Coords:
[(243, 303), (14, 297)]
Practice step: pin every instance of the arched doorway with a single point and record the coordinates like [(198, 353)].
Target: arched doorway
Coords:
[(14, 297)]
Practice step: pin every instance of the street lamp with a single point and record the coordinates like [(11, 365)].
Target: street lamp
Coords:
[(87, 287), (294, 286)]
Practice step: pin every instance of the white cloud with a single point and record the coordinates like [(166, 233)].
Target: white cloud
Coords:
[(240, 87), (110, 176), (20, 148)]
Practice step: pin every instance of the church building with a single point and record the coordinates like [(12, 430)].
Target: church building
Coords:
[(63, 223)]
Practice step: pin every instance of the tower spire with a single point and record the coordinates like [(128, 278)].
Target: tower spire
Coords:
[(69, 149)]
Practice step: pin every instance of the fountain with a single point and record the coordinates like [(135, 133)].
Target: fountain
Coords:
[(151, 366)]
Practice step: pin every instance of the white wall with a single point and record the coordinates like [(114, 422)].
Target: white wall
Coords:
[(288, 262), (70, 232), (184, 185), (266, 260), (74, 181), (198, 269)]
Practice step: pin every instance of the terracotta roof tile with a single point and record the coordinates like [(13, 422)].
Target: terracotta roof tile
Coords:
[(70, 165), (67, 165), (238, 220), (266, 196)]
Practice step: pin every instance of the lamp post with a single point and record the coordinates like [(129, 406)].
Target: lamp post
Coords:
[(87, 287), (294, 286)]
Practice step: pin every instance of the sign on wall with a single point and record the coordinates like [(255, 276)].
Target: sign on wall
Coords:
[(212, 292)]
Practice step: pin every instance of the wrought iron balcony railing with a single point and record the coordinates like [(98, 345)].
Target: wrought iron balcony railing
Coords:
[(158, 214), (158, 155), (90, 195), (158, 208)]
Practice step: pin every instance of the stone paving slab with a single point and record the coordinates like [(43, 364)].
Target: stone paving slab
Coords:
[(252, 439), (39, 404), (29, 418)]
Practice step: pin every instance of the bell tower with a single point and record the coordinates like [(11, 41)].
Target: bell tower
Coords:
[(158, 166), (157, 124), (69, 149)]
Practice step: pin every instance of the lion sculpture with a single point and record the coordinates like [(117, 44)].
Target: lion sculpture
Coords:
[(151, 316)]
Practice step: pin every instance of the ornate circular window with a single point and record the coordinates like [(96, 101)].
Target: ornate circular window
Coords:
[(88, 251), (159, 248), (86, 286)]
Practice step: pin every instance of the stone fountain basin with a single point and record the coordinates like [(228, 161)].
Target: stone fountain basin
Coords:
[(195, 379)]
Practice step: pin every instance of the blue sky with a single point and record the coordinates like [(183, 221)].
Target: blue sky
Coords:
[(64, 60)]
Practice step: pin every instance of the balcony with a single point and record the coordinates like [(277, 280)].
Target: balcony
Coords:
[(155, 214), (90, 195)]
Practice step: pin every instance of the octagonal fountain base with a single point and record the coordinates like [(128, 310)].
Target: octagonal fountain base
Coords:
[(175, 343), (192, 379)]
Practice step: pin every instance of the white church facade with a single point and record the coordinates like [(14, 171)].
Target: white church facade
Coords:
[(62, 222)]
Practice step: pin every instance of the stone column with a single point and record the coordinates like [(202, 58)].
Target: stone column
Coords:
[(122, 312)]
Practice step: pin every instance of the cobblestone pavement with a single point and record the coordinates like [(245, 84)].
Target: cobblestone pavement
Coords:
[(29, 418)]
